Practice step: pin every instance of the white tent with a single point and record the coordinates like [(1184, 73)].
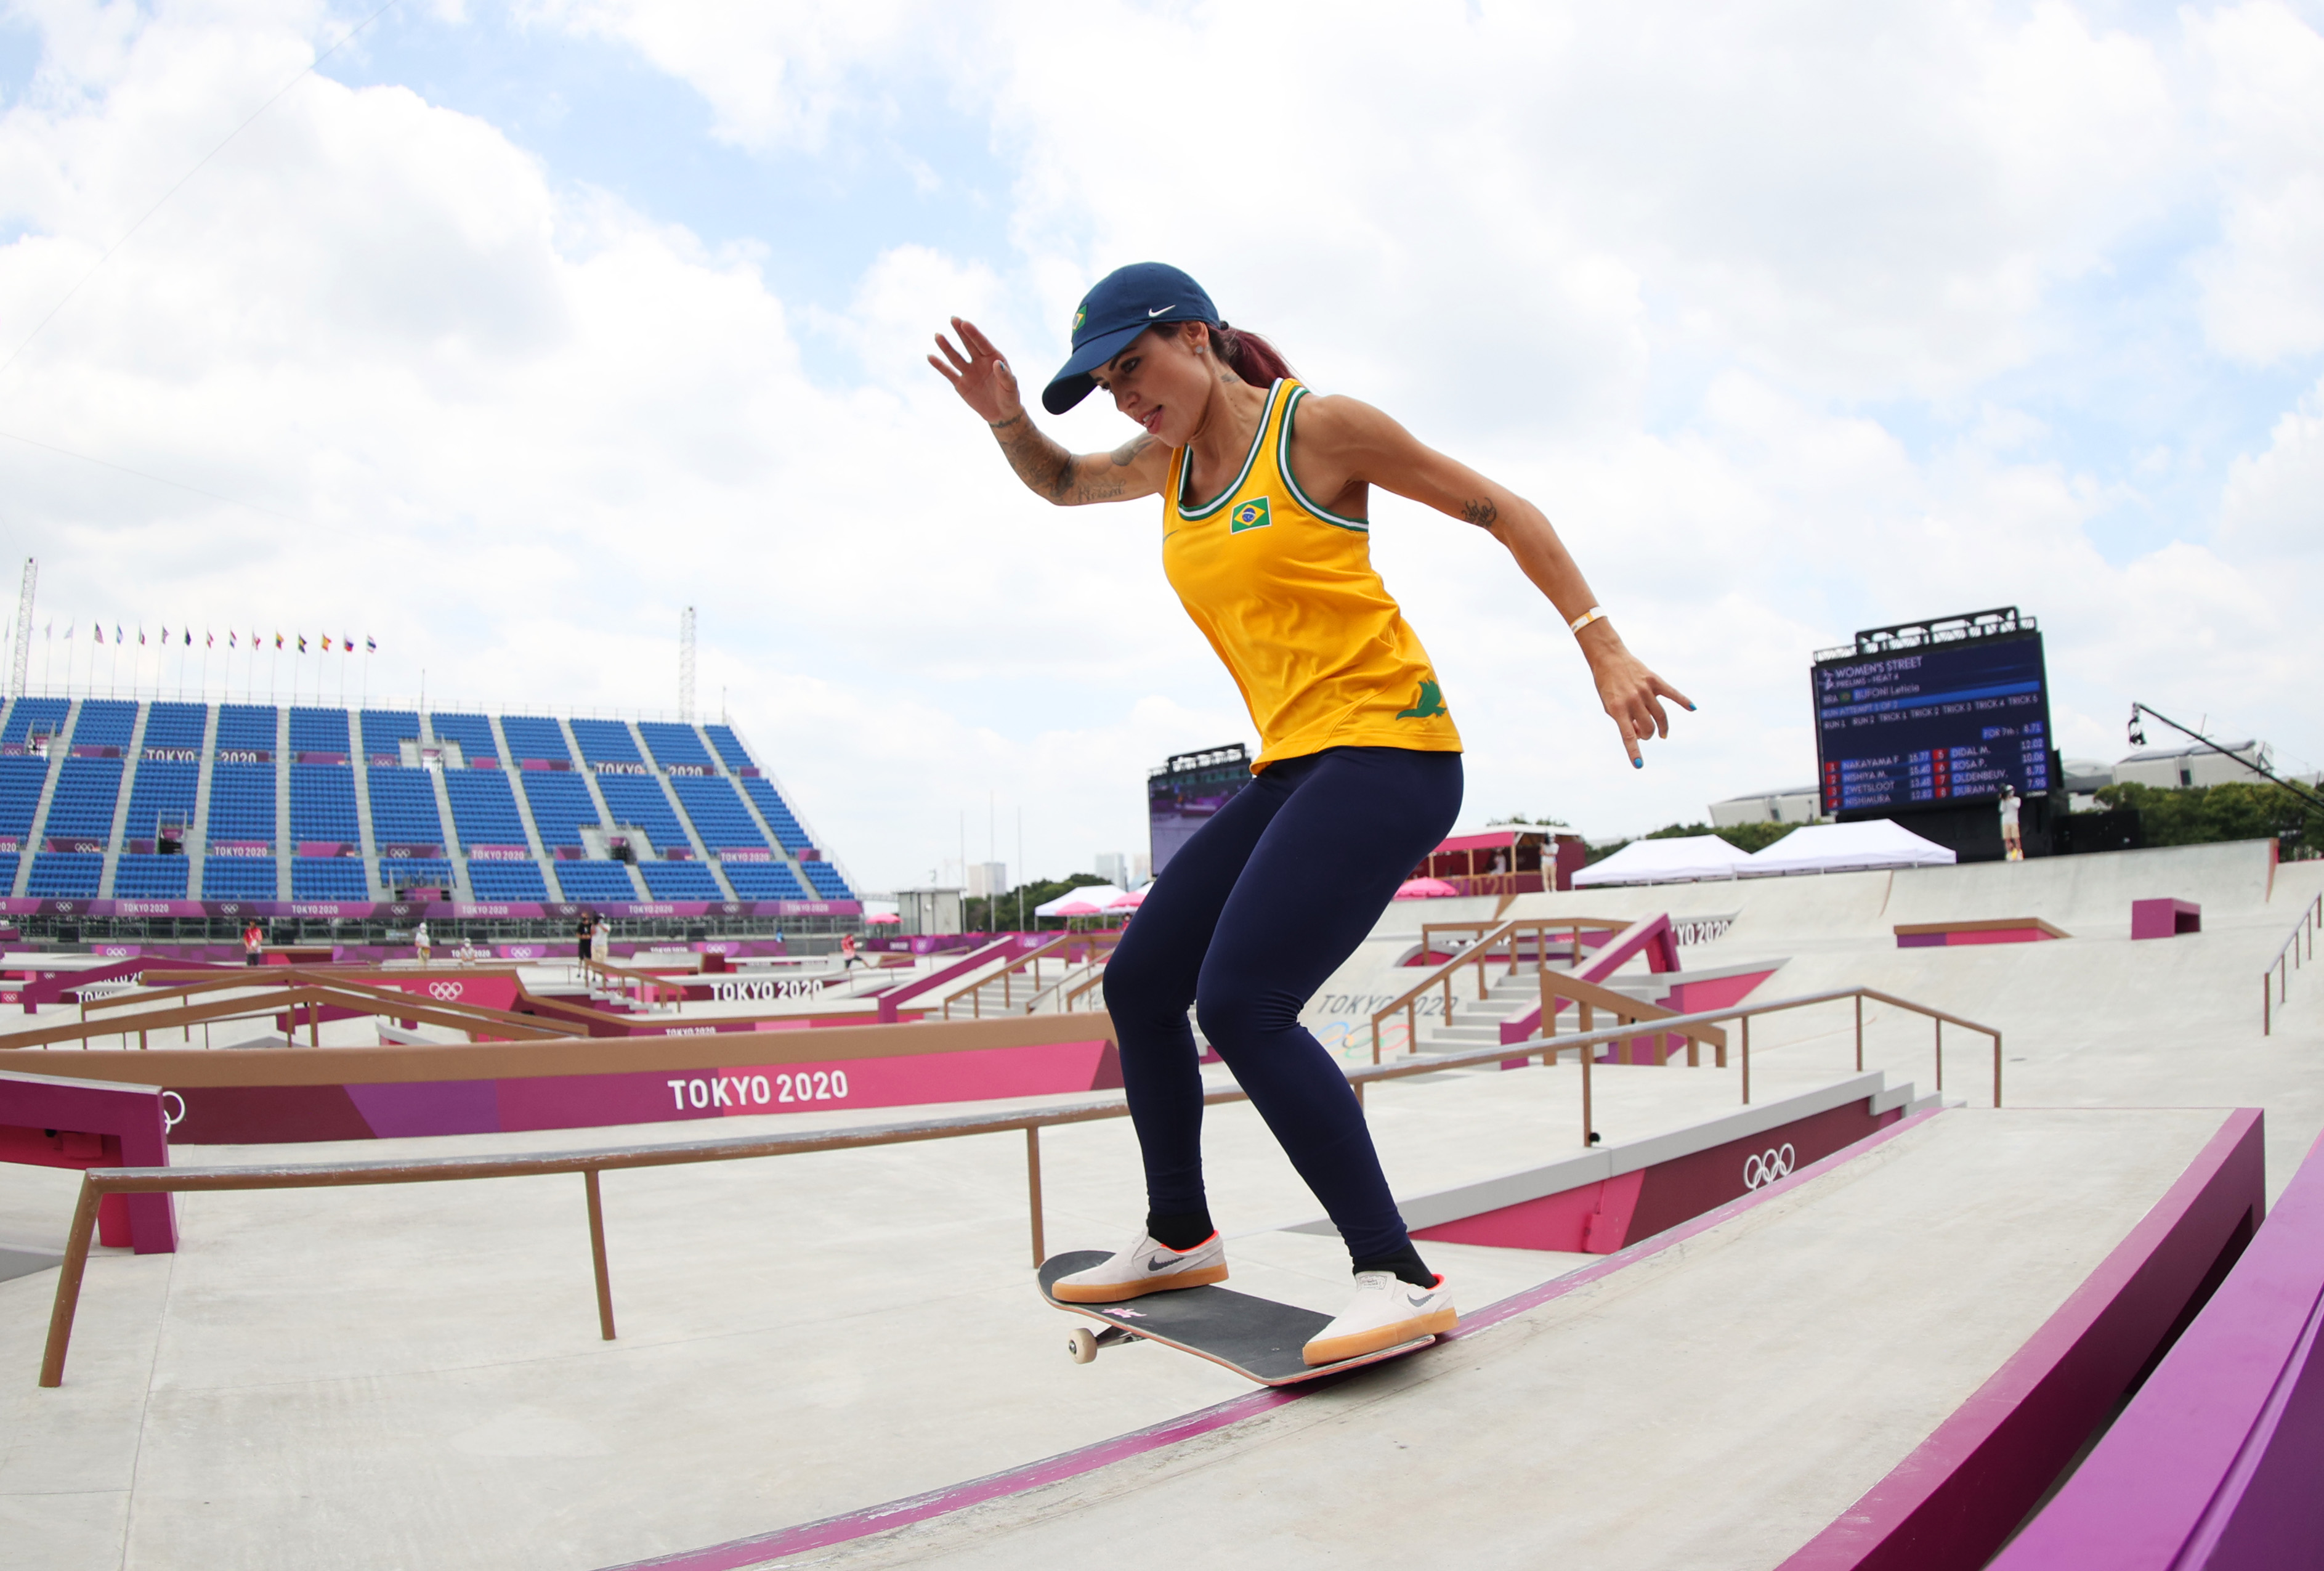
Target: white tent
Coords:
[(1088, 901), (1847, 848), (1680, 860)]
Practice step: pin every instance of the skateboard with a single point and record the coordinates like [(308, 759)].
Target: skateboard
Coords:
[(1257, 1339)]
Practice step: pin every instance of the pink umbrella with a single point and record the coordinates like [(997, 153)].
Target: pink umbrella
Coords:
[(884, 917), (1073, 907), (1425, 888), (1129, 902)]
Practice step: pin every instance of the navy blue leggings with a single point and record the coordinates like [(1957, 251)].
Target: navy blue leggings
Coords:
[(1252, 915)]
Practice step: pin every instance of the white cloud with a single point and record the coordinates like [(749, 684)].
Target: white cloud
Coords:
[(2264, 284)]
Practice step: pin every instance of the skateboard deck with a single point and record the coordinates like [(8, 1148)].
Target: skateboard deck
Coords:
[(1257, 1339)]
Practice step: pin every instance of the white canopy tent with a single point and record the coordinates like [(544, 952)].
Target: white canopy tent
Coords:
[(1847, 848), (1088, 901), (1683, 859)]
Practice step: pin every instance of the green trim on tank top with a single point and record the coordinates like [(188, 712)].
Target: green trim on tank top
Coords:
[(1249, 460), (1283, 463)]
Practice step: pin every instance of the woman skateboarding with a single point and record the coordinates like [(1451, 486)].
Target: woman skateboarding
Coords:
[(1266, 490)]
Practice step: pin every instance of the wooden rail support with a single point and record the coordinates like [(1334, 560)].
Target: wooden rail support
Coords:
[(68, 1275), (1033, 1193), (597, 1255)]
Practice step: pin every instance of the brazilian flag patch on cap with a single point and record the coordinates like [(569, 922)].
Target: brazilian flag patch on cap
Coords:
[(1249, 515)]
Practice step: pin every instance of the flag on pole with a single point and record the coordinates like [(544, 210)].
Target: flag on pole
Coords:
[(326, 644), (347, 644), (229, 638), (209, 639), (302, 644), (100, 633), (69, 631), (189, 638), (141, 636), (116, 634), (165, 632), (278, 640), (371, 644)]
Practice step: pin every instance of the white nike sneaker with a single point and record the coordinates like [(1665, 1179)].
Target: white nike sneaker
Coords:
[(1386, 1310), (1145, 1267)]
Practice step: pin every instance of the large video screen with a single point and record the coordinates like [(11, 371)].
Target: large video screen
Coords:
[(1943, 722), (1182, 796)]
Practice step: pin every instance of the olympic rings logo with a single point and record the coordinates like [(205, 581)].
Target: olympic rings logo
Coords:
[(446, 992), (1764, 1169), (169, 1122)]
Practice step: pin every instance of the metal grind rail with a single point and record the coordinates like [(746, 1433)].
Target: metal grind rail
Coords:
[(98, 1182), (2276, 981)]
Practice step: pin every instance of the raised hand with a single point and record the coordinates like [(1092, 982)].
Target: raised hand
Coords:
[(1633, 696), (981, 376)]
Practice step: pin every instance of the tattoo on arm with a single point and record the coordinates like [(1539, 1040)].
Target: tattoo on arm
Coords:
[(1049, 470), (1482, 513)]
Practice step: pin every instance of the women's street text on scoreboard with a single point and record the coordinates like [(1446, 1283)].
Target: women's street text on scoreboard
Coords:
[(1940, 723)]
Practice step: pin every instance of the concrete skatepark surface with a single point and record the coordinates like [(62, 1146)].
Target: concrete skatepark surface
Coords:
[(413, 1376)]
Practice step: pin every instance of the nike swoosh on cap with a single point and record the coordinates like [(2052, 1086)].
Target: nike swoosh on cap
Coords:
[(1157, 313)]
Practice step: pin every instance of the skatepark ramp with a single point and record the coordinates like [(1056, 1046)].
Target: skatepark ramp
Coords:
[(1985, 1286)]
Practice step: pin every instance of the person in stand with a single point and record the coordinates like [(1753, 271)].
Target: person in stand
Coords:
[(581, 936), (420, 942), (601, 944), (1266, 494), (2013, 843), (253, 939)]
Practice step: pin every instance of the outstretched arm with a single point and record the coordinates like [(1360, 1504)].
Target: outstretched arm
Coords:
[(985, 384), (1341, 442)]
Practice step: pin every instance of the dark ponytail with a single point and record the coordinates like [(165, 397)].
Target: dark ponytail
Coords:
[(1247, 355)]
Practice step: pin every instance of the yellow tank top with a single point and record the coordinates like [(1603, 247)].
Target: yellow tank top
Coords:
[(1284, 590)]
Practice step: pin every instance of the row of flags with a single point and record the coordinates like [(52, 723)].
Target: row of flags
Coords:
[(346, 645)]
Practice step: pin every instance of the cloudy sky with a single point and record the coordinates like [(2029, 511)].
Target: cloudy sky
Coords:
[(507, 331)]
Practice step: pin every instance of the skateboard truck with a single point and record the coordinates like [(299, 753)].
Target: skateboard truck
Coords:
[(1082, 1343)]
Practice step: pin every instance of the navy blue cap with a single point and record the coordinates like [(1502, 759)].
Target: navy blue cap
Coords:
[(1123, 304)]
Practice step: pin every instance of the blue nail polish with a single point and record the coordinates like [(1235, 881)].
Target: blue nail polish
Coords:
[(1637, 763), (1690, 708)]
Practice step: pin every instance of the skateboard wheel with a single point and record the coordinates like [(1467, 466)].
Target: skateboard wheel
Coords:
[(1082, 1345)]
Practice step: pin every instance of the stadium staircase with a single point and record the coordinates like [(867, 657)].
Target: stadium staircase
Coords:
[(57, 754), (118, 831)]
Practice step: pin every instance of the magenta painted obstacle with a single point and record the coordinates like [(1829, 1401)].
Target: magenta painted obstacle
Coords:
[(2216, 1461), (2165, 919), (1951, 1502), (47, 1121)]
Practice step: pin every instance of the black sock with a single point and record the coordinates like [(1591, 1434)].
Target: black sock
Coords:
[(1179, 1229), (1405, 1262)]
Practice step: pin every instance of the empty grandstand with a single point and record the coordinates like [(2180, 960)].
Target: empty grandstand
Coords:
[(121, 819)]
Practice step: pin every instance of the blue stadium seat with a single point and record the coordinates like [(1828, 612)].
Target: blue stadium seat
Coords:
[(242, 803), (595, 881), (8, 865), (404, 809), (384, 731), (681, 881), (561, 804), (483, 809), (828, 885), (778, 817), (88, 789), (531, 736), (327, 878), (105, 723), (638, 799), (21, 782), (763, 880), (729, 746), (27, 716), (248, 725), (162, 791), (507, 881), (672, 743), (176, 725), (717, 813), (238, 878), (323, 803), (473, 733), (136, 876), (416, 872), (320, 730), (606, 740), (65, 876)]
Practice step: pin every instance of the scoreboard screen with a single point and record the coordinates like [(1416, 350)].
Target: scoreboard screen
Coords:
[(1940, 722), (1182, 796)]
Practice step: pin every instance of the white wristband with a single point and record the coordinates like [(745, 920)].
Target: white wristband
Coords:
[(1595, 613)]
